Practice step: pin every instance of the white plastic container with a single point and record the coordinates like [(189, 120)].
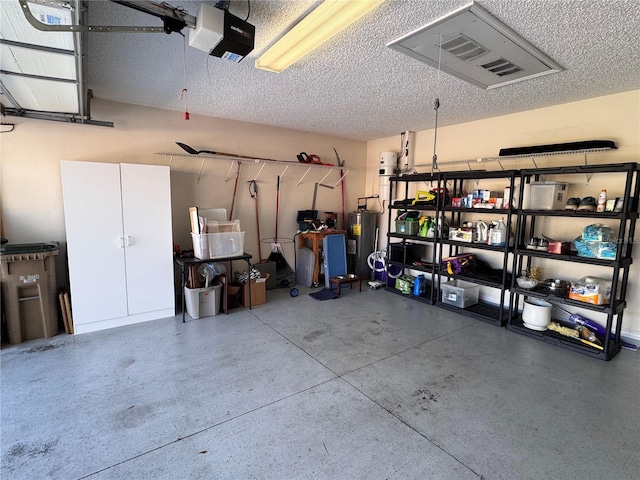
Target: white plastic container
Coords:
[(459, 293), (304, 267), (217, 245), (203, 302), (498, 235), (215, 226), (548, 195), (536, 314)]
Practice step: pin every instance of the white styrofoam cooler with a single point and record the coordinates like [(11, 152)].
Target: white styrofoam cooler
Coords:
[(217, 245), (203, 302)]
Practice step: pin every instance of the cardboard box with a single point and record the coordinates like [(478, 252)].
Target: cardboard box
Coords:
[(461, 234), (258, 291), (268, 270)]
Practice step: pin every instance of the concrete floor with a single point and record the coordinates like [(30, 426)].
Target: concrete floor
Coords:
[(367, 386)]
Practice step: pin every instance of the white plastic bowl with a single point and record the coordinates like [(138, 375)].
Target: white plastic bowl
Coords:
[(528, 283)]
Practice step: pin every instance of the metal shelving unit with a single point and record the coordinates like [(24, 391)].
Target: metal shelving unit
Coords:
[(396, 240), (460, 181), (618, 268), (506, 312)]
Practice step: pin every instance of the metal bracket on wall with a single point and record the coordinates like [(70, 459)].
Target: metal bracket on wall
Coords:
[(586, 164)]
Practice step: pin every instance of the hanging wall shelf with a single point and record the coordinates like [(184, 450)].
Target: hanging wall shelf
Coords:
[(264, 161), (532, 156)]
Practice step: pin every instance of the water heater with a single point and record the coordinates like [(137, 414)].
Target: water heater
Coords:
[(361, 233)]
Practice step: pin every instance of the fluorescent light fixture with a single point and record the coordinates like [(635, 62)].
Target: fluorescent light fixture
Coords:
[(327, 19)]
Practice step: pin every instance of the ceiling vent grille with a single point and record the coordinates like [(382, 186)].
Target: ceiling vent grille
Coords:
[(502, 67), (474, 46), (464, 48)]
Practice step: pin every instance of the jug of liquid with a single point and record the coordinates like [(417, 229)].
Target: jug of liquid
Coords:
[(480, 232), (420, 286), (498, 235)]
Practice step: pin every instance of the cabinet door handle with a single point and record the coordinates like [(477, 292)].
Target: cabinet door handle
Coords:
[(121, 242), (129, 240)]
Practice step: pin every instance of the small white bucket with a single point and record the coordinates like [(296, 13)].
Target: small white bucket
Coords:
[(536, 314)]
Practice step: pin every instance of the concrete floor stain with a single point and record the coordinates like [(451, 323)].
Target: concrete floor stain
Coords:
[(313, 335), (42, 348), (20, 450)]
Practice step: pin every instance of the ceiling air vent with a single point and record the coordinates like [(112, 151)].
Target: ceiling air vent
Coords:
[(464, 48), (502, 67), (474, 46)]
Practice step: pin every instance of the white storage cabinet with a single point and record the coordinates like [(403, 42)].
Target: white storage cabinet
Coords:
[(119, 243)]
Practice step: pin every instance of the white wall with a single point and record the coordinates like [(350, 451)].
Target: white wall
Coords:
[(614, 117), (31, 192)]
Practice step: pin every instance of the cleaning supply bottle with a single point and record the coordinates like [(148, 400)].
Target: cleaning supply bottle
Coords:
[(602, 200), (420, 285), (498, 234)]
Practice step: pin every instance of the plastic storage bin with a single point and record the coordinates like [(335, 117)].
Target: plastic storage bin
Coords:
[(459, 293), (203, 302), (29, 290), (406, 227), (548, 195), (217, 245)]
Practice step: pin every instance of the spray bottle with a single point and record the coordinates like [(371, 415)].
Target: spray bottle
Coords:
[(602, 200)]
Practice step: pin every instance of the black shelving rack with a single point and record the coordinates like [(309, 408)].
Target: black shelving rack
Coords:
[(619, 267), (458, 182), (405, 242)]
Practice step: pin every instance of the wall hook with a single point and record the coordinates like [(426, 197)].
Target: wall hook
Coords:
[(229, 172), (259, 171), (533, 159), (324, 178), (586, 164), (200, 172), (341, 178), (303, 175)]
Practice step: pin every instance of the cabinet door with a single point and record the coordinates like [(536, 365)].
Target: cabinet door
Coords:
[(93, 219), (146, 213)]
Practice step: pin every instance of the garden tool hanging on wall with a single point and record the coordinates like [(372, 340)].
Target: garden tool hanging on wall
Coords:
[(235, 190), (253, 191)]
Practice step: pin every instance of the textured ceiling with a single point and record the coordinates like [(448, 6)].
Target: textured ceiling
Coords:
[(354, 86)]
